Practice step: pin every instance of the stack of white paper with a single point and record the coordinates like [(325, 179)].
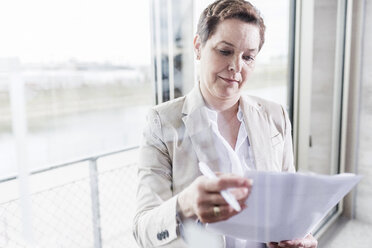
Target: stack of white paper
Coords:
[(285, 206)]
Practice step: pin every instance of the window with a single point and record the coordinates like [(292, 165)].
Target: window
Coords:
[(271, 77), (86, 73), (172, 48), (75, 82)]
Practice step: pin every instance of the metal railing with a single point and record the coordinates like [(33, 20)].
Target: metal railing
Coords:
[(93, 211)]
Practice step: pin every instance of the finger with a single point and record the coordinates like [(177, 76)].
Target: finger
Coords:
[(212, 199), (290, 243), (220, 174), (240, 194), (272, 245), (205, 198), (226, 181), (208, 215), (308, 242), (222, 202)]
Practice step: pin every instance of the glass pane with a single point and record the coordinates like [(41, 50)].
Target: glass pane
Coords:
[(270, 79), (86, 72), (326, 91), (6, 139), (183, 47), (172, 42), (323, 88)]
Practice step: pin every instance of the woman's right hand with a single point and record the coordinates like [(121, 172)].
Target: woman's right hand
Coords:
[(202, 199)]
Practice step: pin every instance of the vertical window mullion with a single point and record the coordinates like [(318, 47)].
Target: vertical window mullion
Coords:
[(158, 53), (170, 50)]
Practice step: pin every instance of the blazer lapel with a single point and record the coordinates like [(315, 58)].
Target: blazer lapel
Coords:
[(258, 132), (199, 129)]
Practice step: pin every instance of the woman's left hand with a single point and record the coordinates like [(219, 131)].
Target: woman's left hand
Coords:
[(308, 242)]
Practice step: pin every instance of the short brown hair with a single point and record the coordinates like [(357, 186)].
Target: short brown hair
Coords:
[(229, 9)]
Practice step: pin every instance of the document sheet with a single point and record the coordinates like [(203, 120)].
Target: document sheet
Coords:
[(285, 206)]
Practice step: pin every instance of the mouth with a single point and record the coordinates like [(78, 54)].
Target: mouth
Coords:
[(229, 80)]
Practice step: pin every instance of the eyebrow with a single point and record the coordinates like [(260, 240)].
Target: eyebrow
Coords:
[(230, 44)]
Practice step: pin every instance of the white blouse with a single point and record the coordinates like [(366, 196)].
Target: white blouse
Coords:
[(238, 161)]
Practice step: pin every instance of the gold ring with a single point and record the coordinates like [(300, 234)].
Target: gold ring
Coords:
[(216, 211)]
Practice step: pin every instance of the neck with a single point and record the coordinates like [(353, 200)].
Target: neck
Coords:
[(221, 104)]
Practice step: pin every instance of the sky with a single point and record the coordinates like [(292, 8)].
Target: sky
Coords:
[(88, 30), (116, 31)]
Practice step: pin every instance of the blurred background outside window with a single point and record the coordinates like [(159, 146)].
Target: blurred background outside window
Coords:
[(86, 72), (270, 79), (83, 71)]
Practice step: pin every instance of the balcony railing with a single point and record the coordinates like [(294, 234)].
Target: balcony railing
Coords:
[(87, 202)]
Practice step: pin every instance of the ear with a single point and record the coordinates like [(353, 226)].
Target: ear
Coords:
[(197, 46)]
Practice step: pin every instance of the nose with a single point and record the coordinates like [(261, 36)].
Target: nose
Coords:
[(236, 64)]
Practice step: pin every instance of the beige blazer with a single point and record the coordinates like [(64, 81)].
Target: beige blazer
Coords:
[(176, 138)]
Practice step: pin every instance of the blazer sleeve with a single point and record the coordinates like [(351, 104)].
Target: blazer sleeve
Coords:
[(155, 222)]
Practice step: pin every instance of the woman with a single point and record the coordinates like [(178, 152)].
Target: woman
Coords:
[(216, 125)]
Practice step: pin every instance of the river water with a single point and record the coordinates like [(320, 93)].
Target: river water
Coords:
[(71, 137)]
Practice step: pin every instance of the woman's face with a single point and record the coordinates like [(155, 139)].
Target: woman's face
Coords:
[(227, 59)]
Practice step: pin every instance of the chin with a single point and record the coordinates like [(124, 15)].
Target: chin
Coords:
[(229, 93)]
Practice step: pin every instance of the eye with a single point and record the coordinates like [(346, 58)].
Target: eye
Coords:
[(248, 59), (225, 52)]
